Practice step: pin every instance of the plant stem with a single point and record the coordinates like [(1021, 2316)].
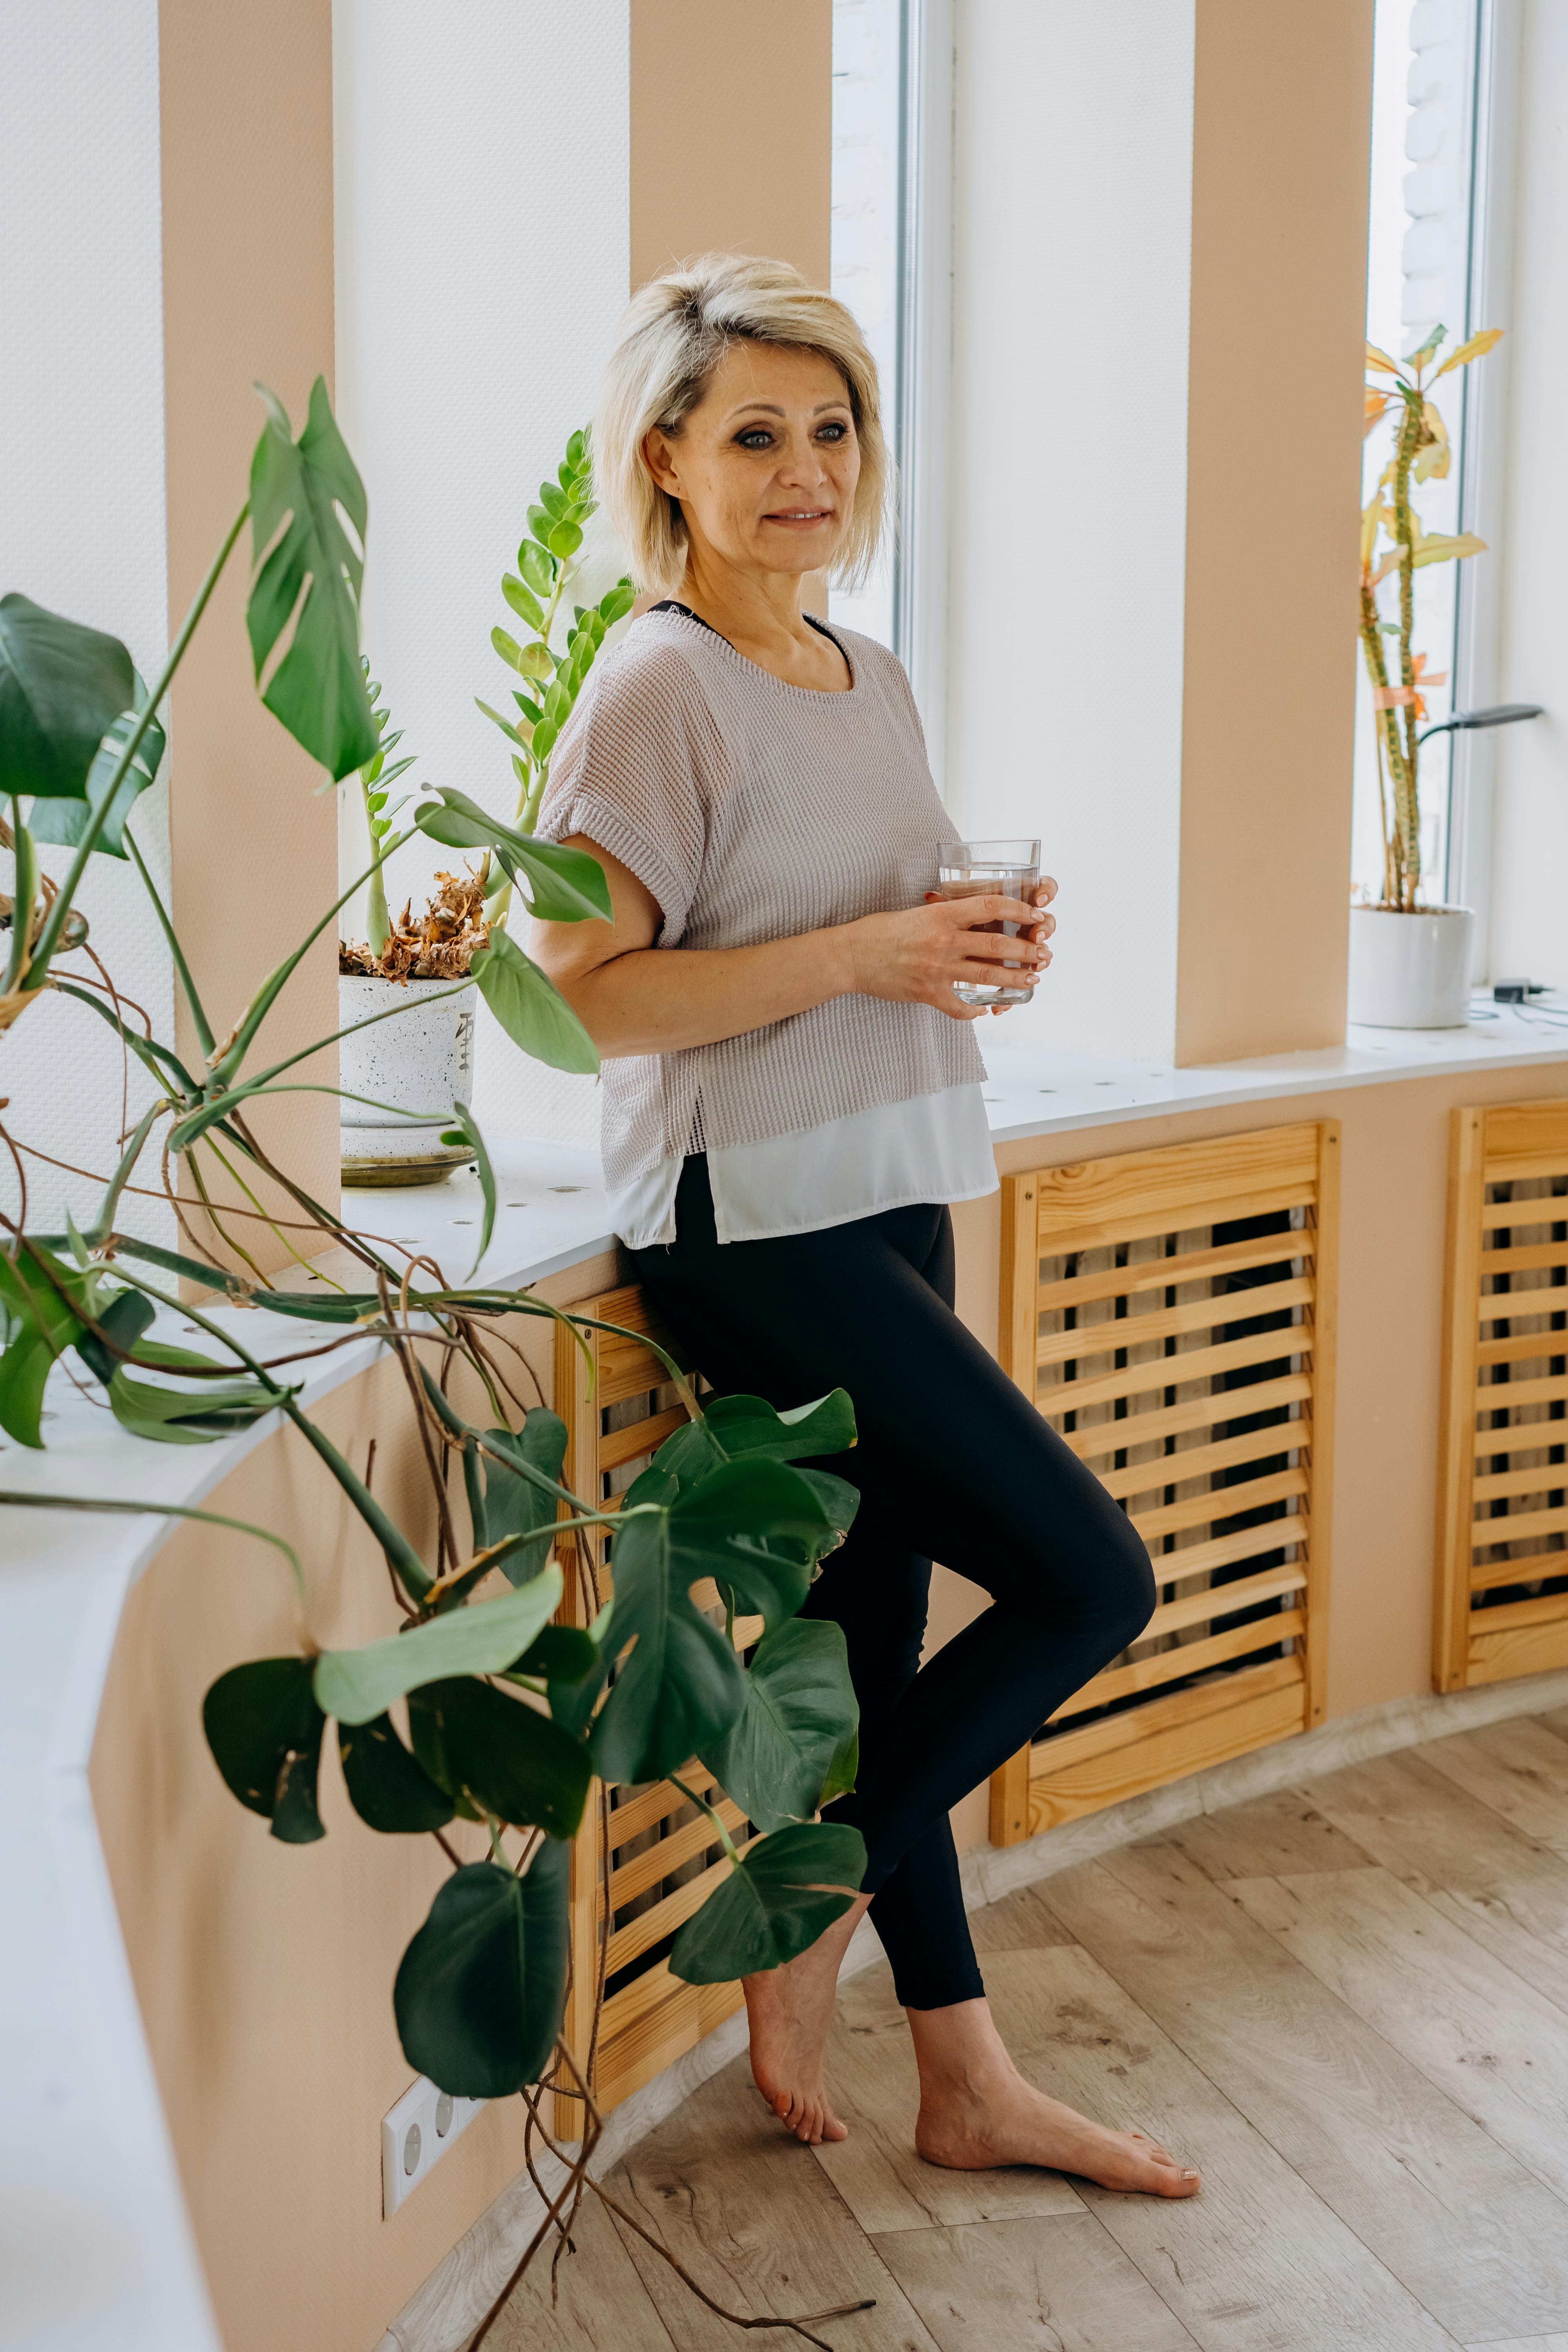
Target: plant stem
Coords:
[(199, 1021), (49, 938), (27, 888), (377, 921), (21, 1500), (701, 1803)]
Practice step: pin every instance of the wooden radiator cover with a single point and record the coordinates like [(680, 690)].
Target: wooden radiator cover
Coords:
[(1502, 1515), (644, 1851), (1172, 1314)]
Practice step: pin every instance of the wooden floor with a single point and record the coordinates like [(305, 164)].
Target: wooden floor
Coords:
[(1348, 2004)]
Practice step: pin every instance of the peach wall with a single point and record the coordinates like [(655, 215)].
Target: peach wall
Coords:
[(1281, 137), (246, 94), (732, 132)]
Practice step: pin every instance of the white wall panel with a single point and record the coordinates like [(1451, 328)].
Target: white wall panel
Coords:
[(1072, 233), (81, 502), (483, 196)]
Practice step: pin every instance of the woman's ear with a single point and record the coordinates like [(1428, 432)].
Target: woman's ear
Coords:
[(659, 457)]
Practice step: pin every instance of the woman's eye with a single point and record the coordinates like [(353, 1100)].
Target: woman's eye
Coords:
[(837, 431), (755, 437)]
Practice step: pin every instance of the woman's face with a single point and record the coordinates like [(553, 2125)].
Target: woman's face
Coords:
[(765, 464)]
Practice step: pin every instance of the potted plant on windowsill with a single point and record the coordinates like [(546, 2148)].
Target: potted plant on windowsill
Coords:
[(1409, 961), (423, 1063)]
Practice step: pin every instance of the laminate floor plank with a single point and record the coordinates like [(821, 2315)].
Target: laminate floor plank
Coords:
[(1467, 2228), (876, 2088), (1503, 1888), (1266, 1837), (1524, 2344), (603, 2305), (1258, 2263), (1055, 2286), (757, 2223), (1480, 2032), (1018, 1923), (1519, 1767)]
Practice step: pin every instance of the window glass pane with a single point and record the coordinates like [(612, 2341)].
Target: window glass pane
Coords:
[(866, 242)]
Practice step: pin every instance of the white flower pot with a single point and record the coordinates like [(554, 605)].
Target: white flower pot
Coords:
[(1410, 972), (420, 1060)]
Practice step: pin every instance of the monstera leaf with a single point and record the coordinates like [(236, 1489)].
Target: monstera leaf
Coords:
[(511, 1503), (65, 822), (388, 1788), (480, 1990), (736, 1426), (499, 1754), (62, 686), (264, 1728), (773, 1905), (301, 550), (356, 1685), (530, 1009), (791, 1747), (756, 1527), (565, 886)]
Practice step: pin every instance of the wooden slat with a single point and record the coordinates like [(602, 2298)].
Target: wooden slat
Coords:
[(1193, 1413), (1502, 1396), (652, 1805), (1167, 1272), (640, 1437), (1528, 1568), (663, 1917), (1502, 1215), (1512, 1616), (1201, 1461), (1525, 1257), (1542, 1480), (669, 2019), (1251, 1709), (1224, 1599), (1325, 1332), (1186, 1658), (1519, 1527), (1173, 1371), (1197, 1314), (1539, 1648), (1527, 1129), (1271, 1201), (1220, 1503), (630, 1879), (1520, 1347), (1224, 1551), (1020, 1269), (1110, 1199)]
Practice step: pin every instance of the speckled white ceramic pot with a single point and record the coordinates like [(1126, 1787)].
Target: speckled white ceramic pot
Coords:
[(1410, 972), (421, 1060)]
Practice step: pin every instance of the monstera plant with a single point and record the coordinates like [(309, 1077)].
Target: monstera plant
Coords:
[(481, 1709)]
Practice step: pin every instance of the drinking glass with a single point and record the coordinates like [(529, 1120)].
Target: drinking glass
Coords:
[(979, 869)]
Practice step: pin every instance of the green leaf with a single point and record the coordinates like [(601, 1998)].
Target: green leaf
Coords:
[(355, 1686), (65, 822), (776, 1756), (618, 602), (480, 1990), (318, 689), (529, 1009), (553, 498), (529, 661), (503, 1755), (176, 1416), (522, 600), (388, 1788), (123, 1321), (536, 567), (514, 1503), (562, 1653), (757, 1527), (264, 1728), (771, 1907), (563, 538), (540, 522), (469, 1134), (62, 686), (682, 1686), (734, 1426), (41, 1325)]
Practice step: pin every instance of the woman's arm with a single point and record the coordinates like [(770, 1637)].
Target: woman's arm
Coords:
[(634, 998)]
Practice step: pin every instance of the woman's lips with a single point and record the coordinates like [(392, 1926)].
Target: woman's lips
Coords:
[(800, 518)]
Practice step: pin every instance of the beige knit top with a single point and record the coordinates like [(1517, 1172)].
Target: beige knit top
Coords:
[(754, 809)]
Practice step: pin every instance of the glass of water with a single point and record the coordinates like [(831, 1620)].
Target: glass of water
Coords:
[(982, 869)]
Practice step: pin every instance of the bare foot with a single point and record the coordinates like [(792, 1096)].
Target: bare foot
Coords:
[(789, 2010), (999, 2118)]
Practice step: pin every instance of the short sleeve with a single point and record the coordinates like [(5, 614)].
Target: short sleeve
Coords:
[(635, 772)]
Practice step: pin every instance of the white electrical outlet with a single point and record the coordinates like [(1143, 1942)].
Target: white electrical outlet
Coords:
[(415, 2133)]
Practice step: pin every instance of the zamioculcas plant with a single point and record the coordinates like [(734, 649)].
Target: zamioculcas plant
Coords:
[(1421, 453), (547, 565), (505, 1718)]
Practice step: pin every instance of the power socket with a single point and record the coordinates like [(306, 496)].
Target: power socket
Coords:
[(415, 2133)]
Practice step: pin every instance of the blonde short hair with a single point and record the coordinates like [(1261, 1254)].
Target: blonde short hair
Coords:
[(673, 334)]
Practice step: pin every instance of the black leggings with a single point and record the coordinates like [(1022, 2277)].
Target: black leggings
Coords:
[(952, 1464)]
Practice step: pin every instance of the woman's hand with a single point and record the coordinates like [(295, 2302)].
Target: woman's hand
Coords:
[(917, 956)]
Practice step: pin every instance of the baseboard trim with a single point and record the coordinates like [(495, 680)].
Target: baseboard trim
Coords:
[(448, 2308)]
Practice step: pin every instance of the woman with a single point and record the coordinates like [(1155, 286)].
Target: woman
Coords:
[(791, 1101)]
